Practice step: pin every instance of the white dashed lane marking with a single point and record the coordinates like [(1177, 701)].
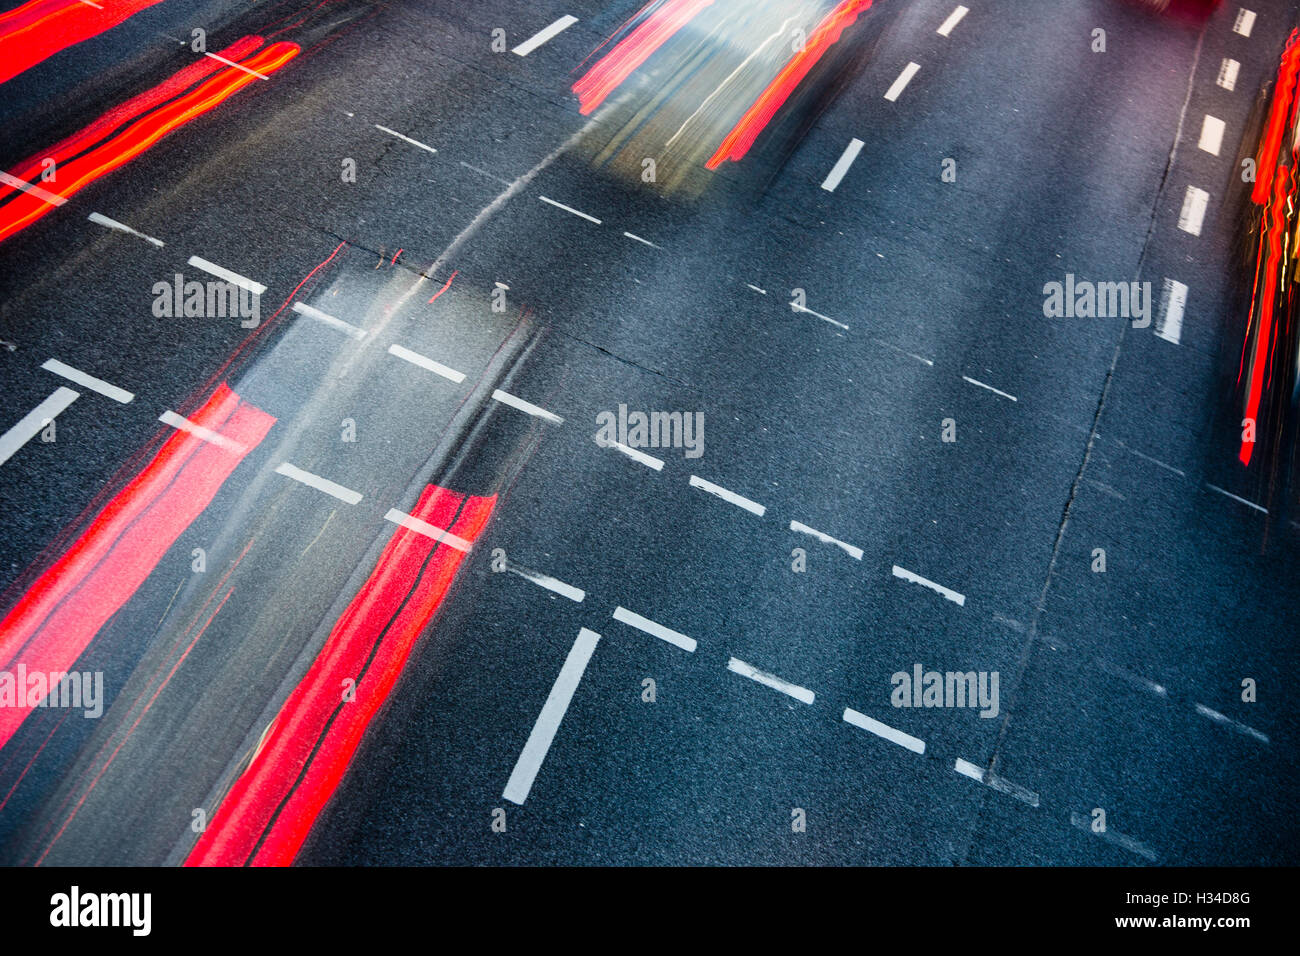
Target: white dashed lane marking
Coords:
[(1211, 135), (900, 84), (325, 318), (853, 551), (32, 423), (543, 35), (99, 220), (238, 66), (182, 423), (1173, 301), (646, 242), (1084, 822), (1228, 71), (551, 584), (954, 18), (1248, 504), (842, 165), (990, 779), (801, 694), (548, 721), (569, 209), (505, 398), (1218, 718), (211, 268), (728, 496), (654, 629), (334, 490), (424, 362), (995, 391), (1192, 216), (638, 456), (906, 575), (419, 526), (42, 194), (402, 136), (88, 381), (1245, 22), (894, 736), (825, 318)]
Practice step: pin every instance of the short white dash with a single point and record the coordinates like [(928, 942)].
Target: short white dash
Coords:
[(1084, 822), (1249, 504), (346, 495), (122, 227), (325, 318), (995, 391), (515, 402), (639, 456), (551, 584), (1227, 721), (1211, 135), (182, 423), (560, 205), (543, 35), (239, 66), (406, 139), (54, 199), (757, 289), (906, 575), (914, 744), (729, 496), (1245, 22), (31, 423), (919, 358), (415, 358), (420, 526), (802, 694), (654, 629), (853, 552), (88, 381), (987, 777), (1228, 71), (900, 84), (221, 273), (637, 238), (1192, 216), (954, 18), (824, 318), (1173, 301), (548, 721), (842, 165)]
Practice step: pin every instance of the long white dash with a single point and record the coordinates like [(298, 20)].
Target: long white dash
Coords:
[(1227, 721), (543, 35), (757, 289), (406, 139), (346, 495), (825, 318), (1173, 301), (182, 423), (548, 721), (954, 18), (1192, 216), (88, 381), (211, 268), (122, 227), (1249, 504), (54, 199), (995, 391), (729, 496), (854, 552), (415, 358), (639, 456), (801, 694), (515, 402), (900, 84), (894, 736), (550, 583), (637, 238), (419, 526), (238, 66), (654, 629), (906, 575), (989, 778), (842, 165), (1110, 836), (325, 318), (576, 212), (32, 423), (1211, 134)]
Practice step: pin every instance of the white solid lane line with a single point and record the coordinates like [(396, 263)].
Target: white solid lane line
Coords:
[(914, 744), (570, 209), (32, 423), (1192, 216), (211, 268), (402, 136), (1173, 302), (996, 391), (842, 165), (854, 552), (99, 220), (900, 84), (654, 629), (346, 495), (906, 575), (802, 694), (548, 721), (1245, 22), (543, 35), (990, 779), (514, 401), (54, 199), (419, 526), (182, 423), (415, 358), (1228, 71), (88, 381), (325, 318), (551, 584), (954, 18), (728, 496), (1211, 135)]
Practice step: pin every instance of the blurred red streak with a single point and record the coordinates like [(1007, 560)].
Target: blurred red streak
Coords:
[(40, 29)]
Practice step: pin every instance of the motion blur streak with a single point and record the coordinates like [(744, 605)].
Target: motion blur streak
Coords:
[(23, 209), (54, 622), (756, 118), (632, 51), (1271, 144), (42, 28), (270, 809)]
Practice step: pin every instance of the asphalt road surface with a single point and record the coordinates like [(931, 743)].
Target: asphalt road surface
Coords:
[(671, 655)]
